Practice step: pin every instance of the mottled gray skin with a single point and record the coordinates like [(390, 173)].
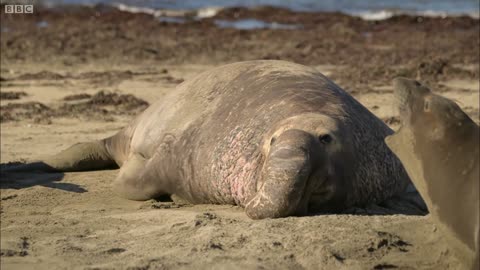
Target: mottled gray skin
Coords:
[(274, 137), (439, 146)]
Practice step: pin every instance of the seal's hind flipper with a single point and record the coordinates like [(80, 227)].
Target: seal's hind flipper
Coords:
[(86, 156)]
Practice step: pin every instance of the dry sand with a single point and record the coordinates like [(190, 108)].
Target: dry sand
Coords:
[(74, 221)]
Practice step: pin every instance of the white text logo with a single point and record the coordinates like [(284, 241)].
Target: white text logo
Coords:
[(18, 8)]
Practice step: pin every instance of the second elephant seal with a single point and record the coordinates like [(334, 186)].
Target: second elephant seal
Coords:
[(439, 146)]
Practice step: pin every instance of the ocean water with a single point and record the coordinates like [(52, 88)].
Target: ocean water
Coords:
[(354, 7)]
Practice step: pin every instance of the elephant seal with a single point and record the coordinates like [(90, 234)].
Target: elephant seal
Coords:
[(274, 137), (438, 145)]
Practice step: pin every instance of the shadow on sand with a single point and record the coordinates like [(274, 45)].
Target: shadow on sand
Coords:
[(20, 175)]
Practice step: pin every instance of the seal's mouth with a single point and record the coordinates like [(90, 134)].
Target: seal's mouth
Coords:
[(320, 199)]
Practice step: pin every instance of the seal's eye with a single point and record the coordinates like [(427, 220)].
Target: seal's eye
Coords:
[(272, 140), (325, 138), (426, 105)]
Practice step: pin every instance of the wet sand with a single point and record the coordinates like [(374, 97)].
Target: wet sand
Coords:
[(80, 74)]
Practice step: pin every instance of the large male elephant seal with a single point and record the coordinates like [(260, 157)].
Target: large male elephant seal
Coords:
[(274, 137), (439, 146)]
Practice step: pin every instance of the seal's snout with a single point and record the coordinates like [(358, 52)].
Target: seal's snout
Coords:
[(407, 91), (403, 87), (403, 91), (399, 82)]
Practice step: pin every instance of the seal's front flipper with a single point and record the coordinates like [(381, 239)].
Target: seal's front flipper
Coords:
[(86, 156), (137, 179), (286, 172), (408, 202)]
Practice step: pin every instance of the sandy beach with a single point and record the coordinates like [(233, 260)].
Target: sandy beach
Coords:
[(77, 74)]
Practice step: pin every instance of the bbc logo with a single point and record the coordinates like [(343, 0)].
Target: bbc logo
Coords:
[(18, 8)]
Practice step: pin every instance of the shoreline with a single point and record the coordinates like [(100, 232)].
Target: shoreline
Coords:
[(366, 50), (367, 15), (367, 12)]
